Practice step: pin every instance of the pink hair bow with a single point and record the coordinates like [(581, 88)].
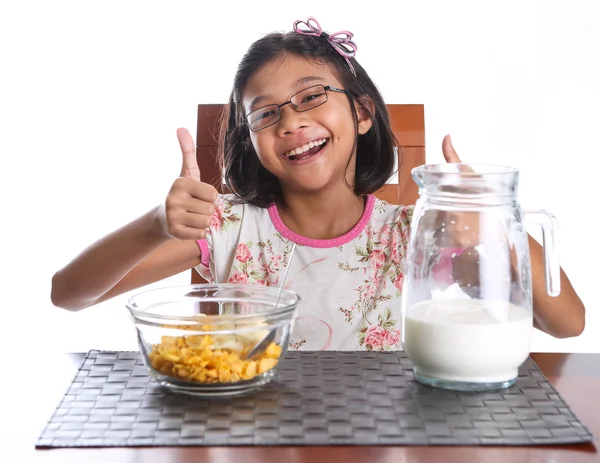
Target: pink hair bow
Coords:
[(341, 41)]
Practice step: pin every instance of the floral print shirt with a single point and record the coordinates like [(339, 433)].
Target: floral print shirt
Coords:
[(350, 287)]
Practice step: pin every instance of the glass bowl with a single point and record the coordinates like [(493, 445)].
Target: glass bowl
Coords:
[(194, 338)]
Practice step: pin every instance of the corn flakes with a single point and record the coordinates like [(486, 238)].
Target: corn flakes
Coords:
[(198, 358)]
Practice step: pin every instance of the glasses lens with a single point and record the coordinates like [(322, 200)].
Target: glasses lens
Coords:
[(263, 117), (310, 98)]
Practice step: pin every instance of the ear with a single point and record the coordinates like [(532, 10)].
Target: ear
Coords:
[(365, 110)]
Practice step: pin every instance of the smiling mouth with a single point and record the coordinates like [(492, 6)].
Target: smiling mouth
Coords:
[(307, 150)]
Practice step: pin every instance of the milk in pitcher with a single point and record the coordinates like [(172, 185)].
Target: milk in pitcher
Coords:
[(467, 340)]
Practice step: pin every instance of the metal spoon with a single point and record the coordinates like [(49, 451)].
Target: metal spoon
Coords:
[(266, 341)]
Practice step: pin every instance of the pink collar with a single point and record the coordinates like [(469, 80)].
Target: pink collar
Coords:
[(332, 243)]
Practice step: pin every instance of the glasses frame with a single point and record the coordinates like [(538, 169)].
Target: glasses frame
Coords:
[(326, 88)]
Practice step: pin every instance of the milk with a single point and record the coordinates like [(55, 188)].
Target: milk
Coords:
[(467, 340)]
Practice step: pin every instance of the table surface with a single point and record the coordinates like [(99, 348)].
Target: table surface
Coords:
[(575, 376)]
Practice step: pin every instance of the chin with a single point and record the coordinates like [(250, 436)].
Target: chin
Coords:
[(312, 187)]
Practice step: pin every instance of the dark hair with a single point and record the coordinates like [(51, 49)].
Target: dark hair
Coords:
[(243, 172)]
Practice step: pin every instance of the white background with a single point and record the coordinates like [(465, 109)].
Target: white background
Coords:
[(91, 95)]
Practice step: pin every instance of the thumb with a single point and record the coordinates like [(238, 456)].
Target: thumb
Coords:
[(189, 167), (448, 150)]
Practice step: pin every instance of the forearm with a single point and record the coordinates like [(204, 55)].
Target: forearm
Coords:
[(562, 316), (102, 265)]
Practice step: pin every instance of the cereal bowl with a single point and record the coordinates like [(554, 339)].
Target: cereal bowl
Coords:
[(195, 339)]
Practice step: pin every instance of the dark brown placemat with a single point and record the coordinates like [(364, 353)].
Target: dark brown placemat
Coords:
[(319, 398)]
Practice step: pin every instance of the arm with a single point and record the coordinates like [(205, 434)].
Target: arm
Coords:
[(562, 316), (129, 258), (159, 244)]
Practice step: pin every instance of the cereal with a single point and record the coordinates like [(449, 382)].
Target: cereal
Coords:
[(210, 359)]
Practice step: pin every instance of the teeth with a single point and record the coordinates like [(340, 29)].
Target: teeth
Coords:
[(306, 147)]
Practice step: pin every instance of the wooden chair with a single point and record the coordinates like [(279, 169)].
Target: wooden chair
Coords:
[(408, 125)]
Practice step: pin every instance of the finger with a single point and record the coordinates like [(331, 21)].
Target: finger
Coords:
[(183, 224), (197, 221), (196, 206), (190, 233), (189, 167), (448, 150), (196, 189)]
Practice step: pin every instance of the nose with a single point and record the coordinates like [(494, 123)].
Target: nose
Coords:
[(291, 121)]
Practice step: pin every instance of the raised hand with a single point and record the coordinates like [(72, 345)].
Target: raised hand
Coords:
[(188, 208)]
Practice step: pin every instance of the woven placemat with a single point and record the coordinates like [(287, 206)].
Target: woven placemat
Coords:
[(319, 398)]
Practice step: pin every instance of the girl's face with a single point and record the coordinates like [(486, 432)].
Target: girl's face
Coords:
[(321, 138)]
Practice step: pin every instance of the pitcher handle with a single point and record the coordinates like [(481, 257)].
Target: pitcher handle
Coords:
[(549, 226)]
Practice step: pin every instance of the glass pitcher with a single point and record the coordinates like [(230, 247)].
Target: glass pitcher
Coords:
[(467, 297)]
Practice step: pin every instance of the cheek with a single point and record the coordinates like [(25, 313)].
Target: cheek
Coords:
[(257, 143), (341, 123), (264, 148)]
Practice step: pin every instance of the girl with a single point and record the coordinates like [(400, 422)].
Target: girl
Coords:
[(306, 141)]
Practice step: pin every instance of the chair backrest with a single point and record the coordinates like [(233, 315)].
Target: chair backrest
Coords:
[(408, 125)]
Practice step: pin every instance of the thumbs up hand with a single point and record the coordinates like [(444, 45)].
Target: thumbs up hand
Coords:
[(188, 208)]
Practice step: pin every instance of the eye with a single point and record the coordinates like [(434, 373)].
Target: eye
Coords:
[(266, 114), (308, 98)]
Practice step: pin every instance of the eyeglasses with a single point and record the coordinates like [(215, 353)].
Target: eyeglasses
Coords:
[(304, 100)]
